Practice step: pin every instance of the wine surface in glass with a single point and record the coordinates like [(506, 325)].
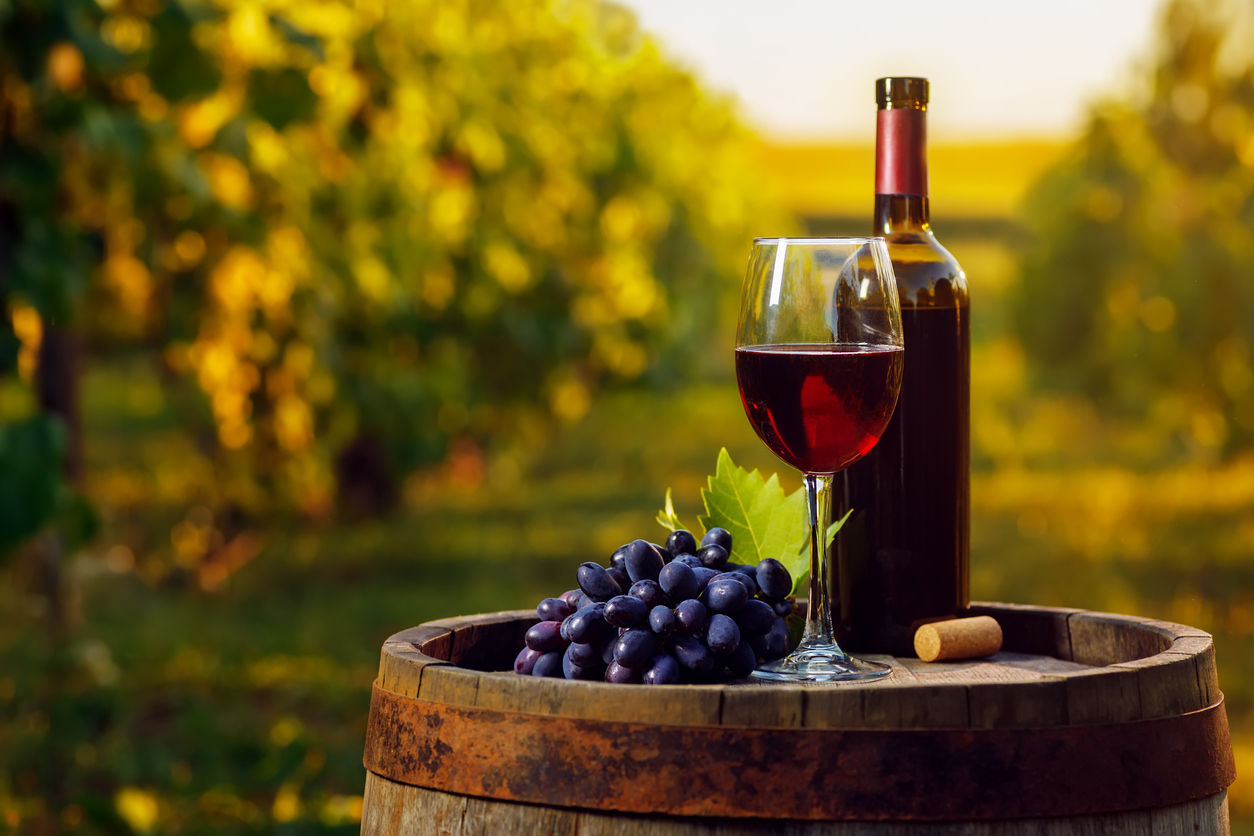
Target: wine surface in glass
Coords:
[(819, 407)]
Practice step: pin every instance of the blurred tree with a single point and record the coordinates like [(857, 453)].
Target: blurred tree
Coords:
[(1140, 289), (374, 235)]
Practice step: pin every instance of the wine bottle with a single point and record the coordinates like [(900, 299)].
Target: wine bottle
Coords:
[(903, 557)]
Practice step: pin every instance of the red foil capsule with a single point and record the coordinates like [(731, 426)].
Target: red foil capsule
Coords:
[(901, 154)]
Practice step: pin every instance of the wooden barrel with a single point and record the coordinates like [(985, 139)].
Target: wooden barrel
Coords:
[(1084, 723)]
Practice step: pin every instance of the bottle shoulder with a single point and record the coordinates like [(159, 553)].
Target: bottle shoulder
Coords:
[(927, 274)]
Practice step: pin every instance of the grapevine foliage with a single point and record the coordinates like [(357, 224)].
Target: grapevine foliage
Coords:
[(366, 236), (1137, 293)]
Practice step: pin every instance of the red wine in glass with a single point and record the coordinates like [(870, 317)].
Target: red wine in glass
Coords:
[(819, 358), (819, 407)]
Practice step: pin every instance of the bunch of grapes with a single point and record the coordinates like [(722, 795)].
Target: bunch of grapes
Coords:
[(663, 615)]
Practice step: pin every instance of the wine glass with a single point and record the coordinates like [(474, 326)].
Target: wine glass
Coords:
[(819, 355)]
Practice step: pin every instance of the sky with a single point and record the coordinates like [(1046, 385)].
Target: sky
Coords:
[(1000, 69)]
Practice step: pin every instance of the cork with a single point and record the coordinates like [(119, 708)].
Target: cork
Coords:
[(961, 638)]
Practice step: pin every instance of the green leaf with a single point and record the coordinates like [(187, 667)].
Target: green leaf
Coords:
[(667, 518), (762, 519), (834, 528), (801, 584)]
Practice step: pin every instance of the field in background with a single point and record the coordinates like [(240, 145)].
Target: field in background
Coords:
[(968, 181)]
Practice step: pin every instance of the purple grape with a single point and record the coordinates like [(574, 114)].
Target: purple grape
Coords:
[(662, 670), (585, 655), (662, 621), (732, 576), (726, 596), (550, 664), (722, 635), (755, 618), (648, 591), (526, 660), (596, 582), (689, 560), (618, 560), (572, 596), (607, 648), (773, 579), (704, 576), (713, 556), (588, 625), (761, 644), (749, 582), (620, 577), (571, 670), (546, 636), (635, 647), (678, 581), (681, 542), (626, 611), (644, 561), (720, 537), (783, 608), (690, 617), (620, 675), (554, 609), (742, 660), (693, 655), (777, 641)]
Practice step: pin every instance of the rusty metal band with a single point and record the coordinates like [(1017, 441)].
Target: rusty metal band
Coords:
[(815, 774)]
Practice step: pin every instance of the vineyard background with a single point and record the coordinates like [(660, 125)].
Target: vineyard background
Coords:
[(320, 323)]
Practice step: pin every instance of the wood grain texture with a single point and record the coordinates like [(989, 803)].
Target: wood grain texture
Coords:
[(1103, 695), (449, 684), (1102, 668), (493, 818), (916, 705), (1037, 704), (428, 813), (780, 707), (1058, 667), (671, 705), (1168, 684), (401, 660), (1105, 639)]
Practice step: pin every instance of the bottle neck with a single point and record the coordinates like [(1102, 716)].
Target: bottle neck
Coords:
[(901, 183), (901, 213)]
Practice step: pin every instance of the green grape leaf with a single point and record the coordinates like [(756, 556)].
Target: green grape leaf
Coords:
[(762, 519), (834, 528), (801, 584), (667, 518)]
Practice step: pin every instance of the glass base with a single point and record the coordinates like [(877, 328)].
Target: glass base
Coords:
[(817, 661)]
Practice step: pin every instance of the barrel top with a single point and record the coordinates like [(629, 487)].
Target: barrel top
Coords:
[(1059, 667)]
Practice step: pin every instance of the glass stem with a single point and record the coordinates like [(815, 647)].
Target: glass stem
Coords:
[(819, 615)]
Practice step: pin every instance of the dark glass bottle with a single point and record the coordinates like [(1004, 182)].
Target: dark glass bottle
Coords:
[(903, 557)]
